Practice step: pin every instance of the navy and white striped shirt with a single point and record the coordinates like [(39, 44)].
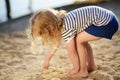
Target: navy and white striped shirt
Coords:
[(79, 19)]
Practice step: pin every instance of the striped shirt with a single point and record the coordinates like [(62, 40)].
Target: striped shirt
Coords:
[(79, 19)]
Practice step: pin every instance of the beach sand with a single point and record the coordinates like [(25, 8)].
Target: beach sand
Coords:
[(18, 62)]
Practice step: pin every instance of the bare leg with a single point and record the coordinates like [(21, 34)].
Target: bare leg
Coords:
[(72, 53), (83, 51), (90, 59)]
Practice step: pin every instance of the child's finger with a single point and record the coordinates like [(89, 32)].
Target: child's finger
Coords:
[(41, 71)]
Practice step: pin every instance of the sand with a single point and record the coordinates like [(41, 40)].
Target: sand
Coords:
[(18, 62)]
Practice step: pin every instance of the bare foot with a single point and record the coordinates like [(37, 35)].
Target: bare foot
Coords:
[(90, 69), (84, 75), (71, 72), (79, 75)]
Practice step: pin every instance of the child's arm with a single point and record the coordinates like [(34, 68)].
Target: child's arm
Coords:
[(49, 56)]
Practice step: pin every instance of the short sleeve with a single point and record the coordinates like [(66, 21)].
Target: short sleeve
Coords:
[(68, 34)]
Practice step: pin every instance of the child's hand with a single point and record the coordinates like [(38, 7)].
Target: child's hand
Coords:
[(45, 66)]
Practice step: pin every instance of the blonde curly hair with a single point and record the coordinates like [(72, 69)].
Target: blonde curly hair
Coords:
[(48, 25)]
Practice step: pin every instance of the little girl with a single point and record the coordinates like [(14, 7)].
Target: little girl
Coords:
[(77, 28)]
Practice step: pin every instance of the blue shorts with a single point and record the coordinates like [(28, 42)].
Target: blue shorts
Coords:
[(106, 31)]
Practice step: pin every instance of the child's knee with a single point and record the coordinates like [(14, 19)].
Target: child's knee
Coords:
[(85, 37), (80, 39)]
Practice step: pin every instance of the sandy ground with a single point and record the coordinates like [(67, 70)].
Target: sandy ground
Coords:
[(17, 61)]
